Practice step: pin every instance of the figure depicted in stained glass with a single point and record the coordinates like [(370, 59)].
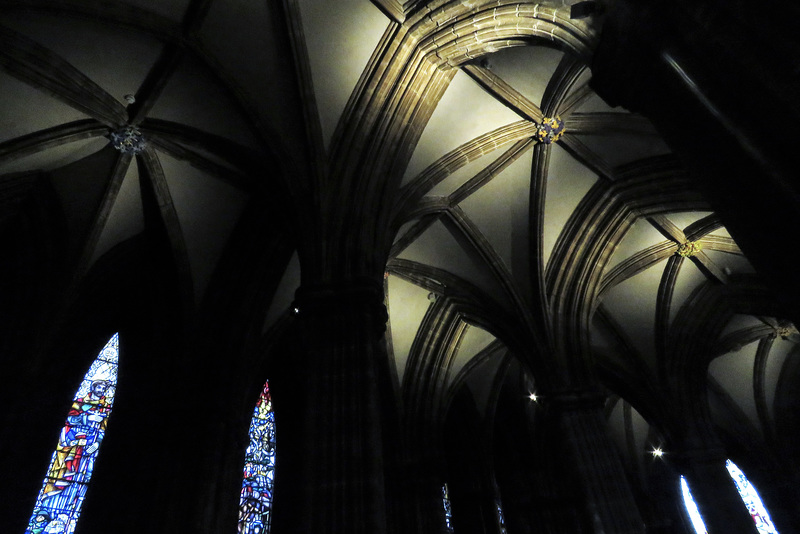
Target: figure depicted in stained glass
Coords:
[(81, 436), (59, 503), (255, 501), (39, 521)]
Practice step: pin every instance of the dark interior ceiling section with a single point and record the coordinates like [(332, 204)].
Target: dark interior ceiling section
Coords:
[(539, 252)]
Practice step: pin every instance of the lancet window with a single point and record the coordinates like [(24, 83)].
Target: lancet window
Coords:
[(58, 505), (448, 509), (255, 501), (748, 494)]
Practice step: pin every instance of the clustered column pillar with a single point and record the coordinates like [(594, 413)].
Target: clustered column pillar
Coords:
[(474, 509), (587, 450), (333, 408), (715, 493), (423, 508)]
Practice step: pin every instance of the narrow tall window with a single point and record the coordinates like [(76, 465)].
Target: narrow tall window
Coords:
[(748, 494), (448, 510), (255, 501), (501, 520), (691, 508), (751, 500), (59, 503)]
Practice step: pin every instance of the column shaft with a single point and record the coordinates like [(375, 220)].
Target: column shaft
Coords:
[(589, 454), (474, 510), (332, 401)]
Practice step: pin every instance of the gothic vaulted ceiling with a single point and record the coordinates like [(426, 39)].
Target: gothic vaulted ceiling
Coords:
[(593, 248)]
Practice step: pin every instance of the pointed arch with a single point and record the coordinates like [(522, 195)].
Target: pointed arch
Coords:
[(746, 491), (691, 508), (751, 499), (255, 501), (58, 505)]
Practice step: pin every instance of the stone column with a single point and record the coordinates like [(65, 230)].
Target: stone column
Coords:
[(474, 509), (588, 454), (424, 509), (715, 493), (334, 412)]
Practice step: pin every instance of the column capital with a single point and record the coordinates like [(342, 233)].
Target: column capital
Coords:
[(564, 400), (361, 296), (689, 458), (335, 414)]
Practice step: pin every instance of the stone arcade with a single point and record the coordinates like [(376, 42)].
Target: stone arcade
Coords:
[(480, 243)]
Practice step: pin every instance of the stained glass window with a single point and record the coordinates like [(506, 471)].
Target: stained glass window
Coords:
[(59, 503), (751, 500), (748, 494), (255, 501), (691, 508), (448, 510), (501, 520)]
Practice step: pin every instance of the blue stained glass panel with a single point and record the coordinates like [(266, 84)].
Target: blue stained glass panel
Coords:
[(255, 500), (59, 503), (501, 520), (751, 500), (448, 510)]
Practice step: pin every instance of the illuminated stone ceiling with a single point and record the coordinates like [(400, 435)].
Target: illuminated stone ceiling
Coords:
[(423, 119)]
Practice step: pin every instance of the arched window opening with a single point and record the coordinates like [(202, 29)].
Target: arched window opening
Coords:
[(448, 509), (59, 503), (255, 501), (748, 494), (751, 500), (691, 508), (501, 520)]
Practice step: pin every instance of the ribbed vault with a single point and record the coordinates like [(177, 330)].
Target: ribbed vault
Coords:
[(591, 263)]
